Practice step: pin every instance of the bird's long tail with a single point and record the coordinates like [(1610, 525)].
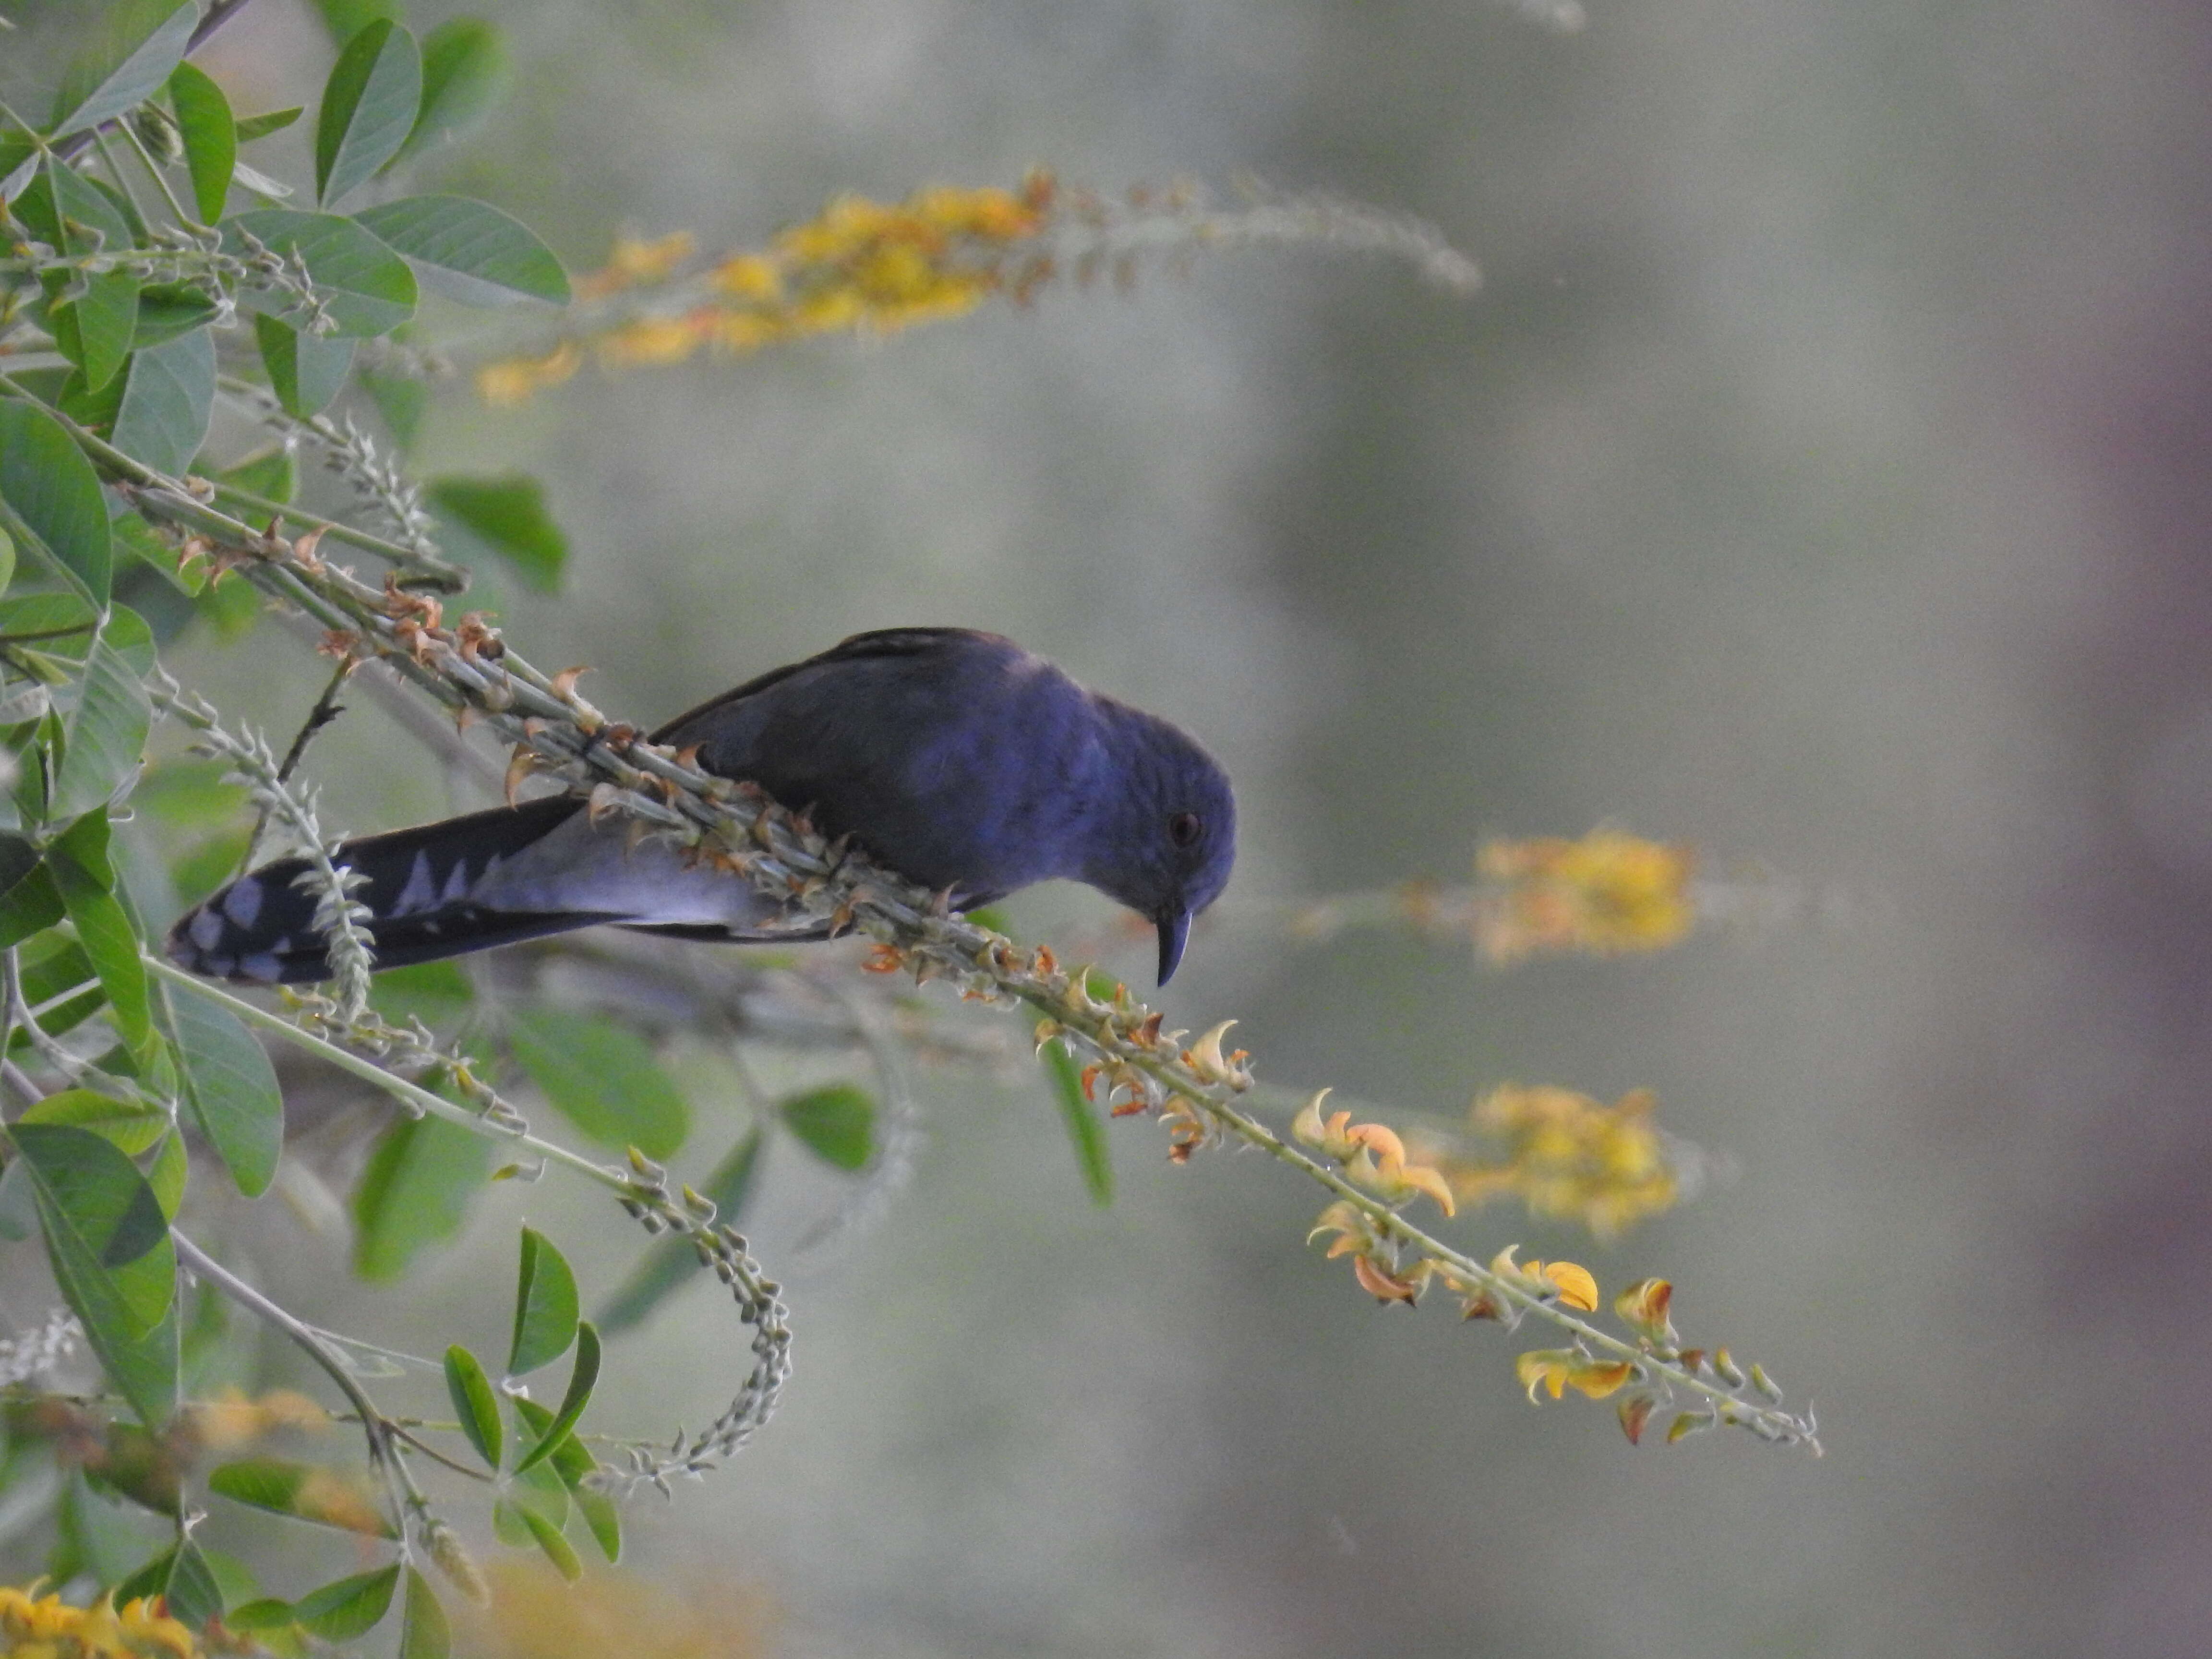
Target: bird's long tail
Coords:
[(432, 891)]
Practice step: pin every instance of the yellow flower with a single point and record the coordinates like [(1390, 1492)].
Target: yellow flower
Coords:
[(1606, 894), (1560, 1369), (44, 1627), (1373, 1155), (650, 340), (749, 277), (632, 262), (1568, 1156), (512, 382)]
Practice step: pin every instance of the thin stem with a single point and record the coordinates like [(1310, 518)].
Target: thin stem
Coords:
[(122, 180), (325, 710), (375, 1426), (339, 531), (154, 172), (19, 1013), (412, 1095)]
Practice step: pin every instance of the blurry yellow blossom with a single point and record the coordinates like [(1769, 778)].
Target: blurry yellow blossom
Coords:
[(877, 267), (231, 1419), (633, 263), (535, 1614), (1644, 1306), (514, 380), (1568, 1156), (44, 1627), (1606, 894)]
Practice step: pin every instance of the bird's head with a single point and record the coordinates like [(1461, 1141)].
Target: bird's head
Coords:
[(1174, 833)]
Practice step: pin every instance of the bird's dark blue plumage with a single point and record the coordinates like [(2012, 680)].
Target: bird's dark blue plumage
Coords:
[(954, 758)]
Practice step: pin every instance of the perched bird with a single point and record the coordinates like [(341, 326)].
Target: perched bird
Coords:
[(954, 758)]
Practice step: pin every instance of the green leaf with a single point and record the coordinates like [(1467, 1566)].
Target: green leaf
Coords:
[(129, 1125), (475, 1403), (672, 1260), (508, 514), (305, 1492), (349, 1608), (582, 1380), (368, 107), (168, 309), (108, 1243), (31, 904), (7, 560), (140, 44), (401, 400), (231, 1090), (465, 74), (53, 490), (545, 1306), (1085, 1132), (557, 1549), (424, 1633), (79, 862), (251, 127), (94, 332), (346, 18), (366, 289), (414, 1192), (574, 1466), (273, 474), (172, 1168), (469, 249), (183, 1578), (211, 137), (265, 1613), (836, 1123), (602, 1077), (306, 370), (167, 400), (104, 737), (432, 991)]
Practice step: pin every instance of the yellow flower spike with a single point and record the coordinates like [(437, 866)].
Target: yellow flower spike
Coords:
[(1343, 1218), (1545, 1368), (750, 276), (1606, 894), (143, 1627), (512, 382), (652, 340)]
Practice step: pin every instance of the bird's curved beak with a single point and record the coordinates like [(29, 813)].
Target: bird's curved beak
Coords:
[(1174, 924)]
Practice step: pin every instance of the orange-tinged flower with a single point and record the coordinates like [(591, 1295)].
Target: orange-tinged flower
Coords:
[(1380, 1284), (1644, 1304), (44, 1627), (1351, 1226), (1571, 1156), (749, 277), (1560, 1369)]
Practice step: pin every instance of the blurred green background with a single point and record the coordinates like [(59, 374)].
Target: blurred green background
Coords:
[(1819, 478)]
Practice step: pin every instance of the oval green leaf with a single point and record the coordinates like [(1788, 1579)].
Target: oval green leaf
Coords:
[(349, 1608), (603, 1078), (469, 249), (423, 1633), (476, 1403), (129, 1125), (582, 1380), (508, 514), (368, 107), (366, 289), (53, 491), (545, 1306), (210, 135), (167, 400), (414, 1192), (836, 1123), (464, 74), (305, 1492), (78, 861), (251, 127), (305, 371), (140, 46), (104, 737), (231, 1090), (548, 1537)]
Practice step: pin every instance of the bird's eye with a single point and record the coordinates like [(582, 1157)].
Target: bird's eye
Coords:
[(1184, 829)]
